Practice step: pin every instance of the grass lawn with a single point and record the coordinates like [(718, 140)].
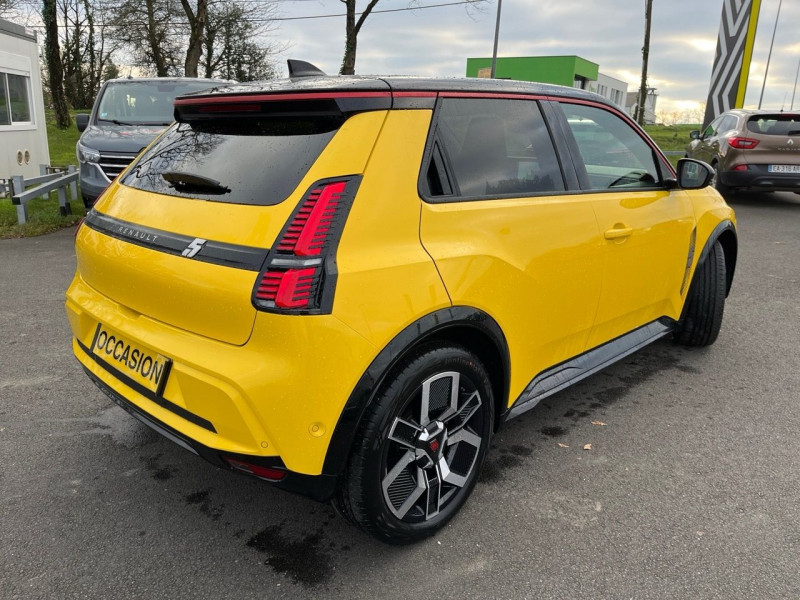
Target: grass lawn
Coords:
[(43, 214)]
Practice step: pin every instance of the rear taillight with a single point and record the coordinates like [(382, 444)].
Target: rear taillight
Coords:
[(300, 271), (742, 143)]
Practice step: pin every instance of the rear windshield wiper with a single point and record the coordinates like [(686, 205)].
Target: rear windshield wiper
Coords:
[(190, 183)]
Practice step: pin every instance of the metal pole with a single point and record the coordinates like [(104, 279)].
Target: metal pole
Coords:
[(795, 83), (496, 37), (769, 56)]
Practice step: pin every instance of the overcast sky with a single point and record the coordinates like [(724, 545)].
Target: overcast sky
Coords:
[(437, 41)]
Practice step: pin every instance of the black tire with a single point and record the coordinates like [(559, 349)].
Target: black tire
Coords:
[(717, 184), (702, 313), (406, 479)]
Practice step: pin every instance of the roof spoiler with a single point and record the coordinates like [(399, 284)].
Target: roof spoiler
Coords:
[(300, 68)]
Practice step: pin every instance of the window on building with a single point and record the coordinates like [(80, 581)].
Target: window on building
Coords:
[(15, 102)]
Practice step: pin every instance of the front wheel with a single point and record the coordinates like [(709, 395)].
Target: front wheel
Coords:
[(420, 447), (702, 313)]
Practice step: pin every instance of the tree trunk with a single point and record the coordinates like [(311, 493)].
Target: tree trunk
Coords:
[(155, 46), (53, 59), (350, 40), (197, 23), (352, 28)]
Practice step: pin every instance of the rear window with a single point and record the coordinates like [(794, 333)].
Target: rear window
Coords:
[(239, 161), (780, 124)]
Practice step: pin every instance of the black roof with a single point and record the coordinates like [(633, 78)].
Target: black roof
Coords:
[(349, 83)]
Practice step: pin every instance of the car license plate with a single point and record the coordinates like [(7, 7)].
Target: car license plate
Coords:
[(143, 366), (784, 168)]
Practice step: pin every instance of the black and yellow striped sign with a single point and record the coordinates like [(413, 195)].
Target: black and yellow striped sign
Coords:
[(737, 34)]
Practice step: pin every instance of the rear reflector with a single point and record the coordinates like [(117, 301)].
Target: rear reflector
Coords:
[(742, 143), (300, 271), (268, 473), (740, 168)]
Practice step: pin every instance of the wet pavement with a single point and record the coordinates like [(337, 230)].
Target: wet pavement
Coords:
[(689, 489)]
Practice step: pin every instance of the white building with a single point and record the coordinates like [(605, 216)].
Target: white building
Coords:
[(611, 89), (23, 134), (649, 105)]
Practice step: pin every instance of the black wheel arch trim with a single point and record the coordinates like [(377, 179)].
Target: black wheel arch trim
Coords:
[(725, 233), (432, 325)]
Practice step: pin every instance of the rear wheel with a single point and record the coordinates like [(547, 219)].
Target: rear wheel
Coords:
[(420, 447), (716, 183), (702, 313)]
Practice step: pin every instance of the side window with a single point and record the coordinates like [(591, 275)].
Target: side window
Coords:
[(712, 128), (613, 152), (728, 123), (495, 147)]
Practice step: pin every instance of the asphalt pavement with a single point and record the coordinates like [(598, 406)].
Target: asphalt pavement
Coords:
[(690, 489)]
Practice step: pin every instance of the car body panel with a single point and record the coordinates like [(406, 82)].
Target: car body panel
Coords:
[(519, 259), (644, 269)]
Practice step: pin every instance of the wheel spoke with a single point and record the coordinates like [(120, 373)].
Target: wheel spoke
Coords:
[(433, 482), (439, 396), (404, 433), (466, 436), (464, 413), (400, 490)]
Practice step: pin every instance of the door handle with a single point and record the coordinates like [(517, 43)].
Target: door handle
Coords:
[(618, 231)]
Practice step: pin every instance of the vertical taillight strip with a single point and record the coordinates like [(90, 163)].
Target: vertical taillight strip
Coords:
[(299, 274)]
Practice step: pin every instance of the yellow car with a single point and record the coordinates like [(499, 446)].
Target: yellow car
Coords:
[(344, 286)]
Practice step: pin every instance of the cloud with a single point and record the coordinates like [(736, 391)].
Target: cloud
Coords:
[(437, 42)]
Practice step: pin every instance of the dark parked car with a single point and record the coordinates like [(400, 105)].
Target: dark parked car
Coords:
[(751, 150), (127, 115)]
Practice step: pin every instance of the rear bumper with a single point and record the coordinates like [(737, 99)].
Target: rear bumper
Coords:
[(276, 399), (317, 487), (758, 177)]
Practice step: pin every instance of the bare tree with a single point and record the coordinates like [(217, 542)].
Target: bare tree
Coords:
[(353, 28), (147, 29), (229, 49), (53, 60), (197, 23)]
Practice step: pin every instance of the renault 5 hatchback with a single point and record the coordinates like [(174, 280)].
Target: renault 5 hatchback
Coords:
[(345, 285), (751, 150)]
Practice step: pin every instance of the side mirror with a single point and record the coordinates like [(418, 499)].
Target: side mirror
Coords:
[(694, 174), (694, 134), (81, 121)]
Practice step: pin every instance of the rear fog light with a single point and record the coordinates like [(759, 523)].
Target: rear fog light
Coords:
[(268, 473)]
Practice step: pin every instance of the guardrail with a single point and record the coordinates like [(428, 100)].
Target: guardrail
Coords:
[(45, 183)]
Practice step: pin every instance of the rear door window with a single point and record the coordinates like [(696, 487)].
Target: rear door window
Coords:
[(240, 161), (495, 147)]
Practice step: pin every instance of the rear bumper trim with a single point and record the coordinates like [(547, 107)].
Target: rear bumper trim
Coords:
[(157, 398), (317, 487)]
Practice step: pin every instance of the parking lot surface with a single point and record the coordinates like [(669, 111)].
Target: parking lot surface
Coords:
[(689, 489)]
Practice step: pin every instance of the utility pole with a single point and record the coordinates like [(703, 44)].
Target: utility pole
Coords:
[(640, 105), (496, 38), (769, 56), (795, 84)]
